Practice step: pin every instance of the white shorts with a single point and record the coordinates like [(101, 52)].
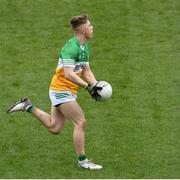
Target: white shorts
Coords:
[(60, 97)]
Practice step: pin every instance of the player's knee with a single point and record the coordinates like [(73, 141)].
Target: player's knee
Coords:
[(55, 130), (82, 123)]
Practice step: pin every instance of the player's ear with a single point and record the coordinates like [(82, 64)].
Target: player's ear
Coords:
[(83, 31)]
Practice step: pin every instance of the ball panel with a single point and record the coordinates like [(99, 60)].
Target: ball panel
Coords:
[(106, 92)]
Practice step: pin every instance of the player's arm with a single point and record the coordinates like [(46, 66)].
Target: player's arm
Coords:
[(88, 76), (68, 56), (73, 77)]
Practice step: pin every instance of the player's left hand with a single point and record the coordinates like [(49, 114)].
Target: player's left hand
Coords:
[(93, 91)]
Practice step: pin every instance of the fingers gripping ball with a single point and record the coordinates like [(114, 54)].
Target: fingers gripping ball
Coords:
[(93, 91), (101, 91)]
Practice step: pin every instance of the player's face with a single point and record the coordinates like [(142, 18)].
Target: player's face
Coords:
[(88, 30)]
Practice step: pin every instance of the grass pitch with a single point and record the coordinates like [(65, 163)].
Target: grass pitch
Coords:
[(136, 48)]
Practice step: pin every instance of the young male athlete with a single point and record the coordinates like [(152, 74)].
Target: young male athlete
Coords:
[(73, 62)]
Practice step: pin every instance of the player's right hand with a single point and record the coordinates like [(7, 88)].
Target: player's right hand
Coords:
[(93, 91)]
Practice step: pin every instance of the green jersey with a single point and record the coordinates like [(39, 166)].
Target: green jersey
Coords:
[(74, 55), (71, 55)]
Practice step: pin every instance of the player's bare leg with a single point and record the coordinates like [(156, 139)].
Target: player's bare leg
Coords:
[(73, 111), (54, 122)]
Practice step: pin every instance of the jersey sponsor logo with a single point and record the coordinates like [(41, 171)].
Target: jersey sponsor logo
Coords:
[(79, 67)]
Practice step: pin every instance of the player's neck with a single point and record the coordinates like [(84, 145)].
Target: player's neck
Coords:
[(80, 38)]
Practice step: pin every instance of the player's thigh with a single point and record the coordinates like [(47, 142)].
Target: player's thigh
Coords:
[(57, 117), (73, 112)]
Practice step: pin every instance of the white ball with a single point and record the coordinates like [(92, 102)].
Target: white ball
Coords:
[(106, 91)]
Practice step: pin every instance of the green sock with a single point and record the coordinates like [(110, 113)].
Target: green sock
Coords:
[(30, 109), (82, 157)]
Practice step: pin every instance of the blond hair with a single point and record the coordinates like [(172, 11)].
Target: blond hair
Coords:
[(76, 21)]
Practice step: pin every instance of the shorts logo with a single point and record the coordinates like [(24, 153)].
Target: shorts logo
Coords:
[(61, 95)]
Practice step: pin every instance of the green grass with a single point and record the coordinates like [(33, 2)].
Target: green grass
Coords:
[(136, 47)]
